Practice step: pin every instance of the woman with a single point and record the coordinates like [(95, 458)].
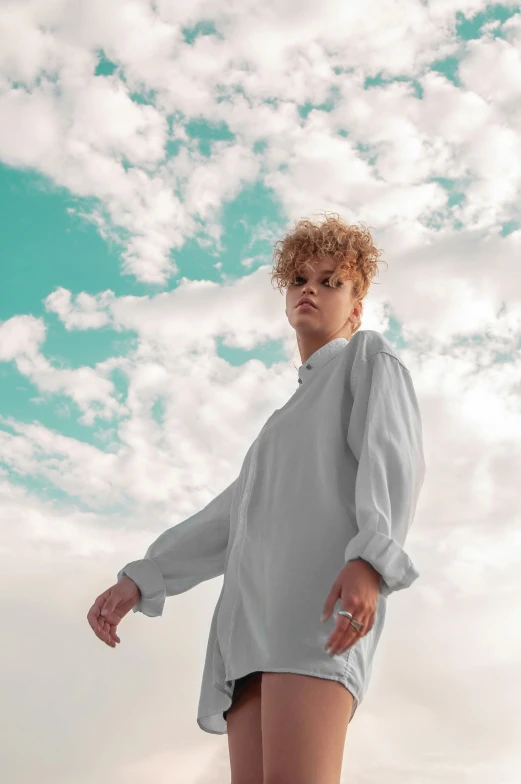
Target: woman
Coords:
[(318, 515)]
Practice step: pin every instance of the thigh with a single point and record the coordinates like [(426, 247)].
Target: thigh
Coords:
[(304, 725), (243, 721)]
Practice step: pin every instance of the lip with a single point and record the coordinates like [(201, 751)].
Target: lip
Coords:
[(306, 304)]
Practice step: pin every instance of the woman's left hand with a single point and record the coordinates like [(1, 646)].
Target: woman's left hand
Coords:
[(358, 588)]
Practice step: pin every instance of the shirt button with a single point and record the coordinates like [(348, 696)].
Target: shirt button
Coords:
[(308, 367), (300, 381)]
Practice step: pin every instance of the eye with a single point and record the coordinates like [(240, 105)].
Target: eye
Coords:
[(299, 277)]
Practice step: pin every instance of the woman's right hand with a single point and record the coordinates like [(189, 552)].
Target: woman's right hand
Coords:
[(110, 608)]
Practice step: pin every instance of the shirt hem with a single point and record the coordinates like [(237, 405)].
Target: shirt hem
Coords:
[(345, 680)]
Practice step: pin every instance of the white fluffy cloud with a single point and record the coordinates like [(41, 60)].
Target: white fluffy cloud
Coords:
[(87, 312), (21, 338), (79, 129)]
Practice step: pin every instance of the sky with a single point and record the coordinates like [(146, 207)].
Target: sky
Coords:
[(151, 153)]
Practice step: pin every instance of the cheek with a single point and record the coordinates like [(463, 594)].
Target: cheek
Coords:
[(339, 308)]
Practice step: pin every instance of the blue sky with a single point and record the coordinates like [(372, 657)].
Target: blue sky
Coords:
[(150, 156)]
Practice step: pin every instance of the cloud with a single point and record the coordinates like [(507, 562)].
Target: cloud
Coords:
[(87, 133), (87, 312), (21, 338)]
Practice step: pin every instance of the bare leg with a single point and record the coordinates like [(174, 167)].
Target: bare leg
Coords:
[(245, 734), (304, 725)]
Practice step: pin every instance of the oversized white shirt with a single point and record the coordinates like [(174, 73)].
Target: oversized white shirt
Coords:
[(334, 475)]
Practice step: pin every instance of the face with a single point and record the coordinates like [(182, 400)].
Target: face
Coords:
[(335, 310)]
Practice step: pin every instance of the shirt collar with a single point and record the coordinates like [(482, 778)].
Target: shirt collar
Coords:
[(321, 357)]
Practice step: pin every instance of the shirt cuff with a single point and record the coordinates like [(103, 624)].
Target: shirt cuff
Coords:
[(386, 556), (149, 579)]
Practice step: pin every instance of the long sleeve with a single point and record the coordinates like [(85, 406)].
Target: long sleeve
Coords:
[(183, 556), (385, 436)]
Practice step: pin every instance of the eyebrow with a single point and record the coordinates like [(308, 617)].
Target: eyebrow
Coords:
[(326, 272)]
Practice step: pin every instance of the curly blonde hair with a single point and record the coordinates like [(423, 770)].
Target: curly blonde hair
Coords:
[(351, 248)]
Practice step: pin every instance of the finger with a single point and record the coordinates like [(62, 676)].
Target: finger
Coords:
[(331, 600), (113, 628), (93, 616), (333, 639), (108, 638), (352, 635), (110, 633), (347, 642), (338, 632), (98, 624), (345, 633), (342, 644), (109, 602), (104, 631)]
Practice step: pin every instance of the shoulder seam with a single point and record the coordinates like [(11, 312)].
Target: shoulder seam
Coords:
[(383, 351)]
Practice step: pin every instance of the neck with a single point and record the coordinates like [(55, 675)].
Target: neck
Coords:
[(308, 345)]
